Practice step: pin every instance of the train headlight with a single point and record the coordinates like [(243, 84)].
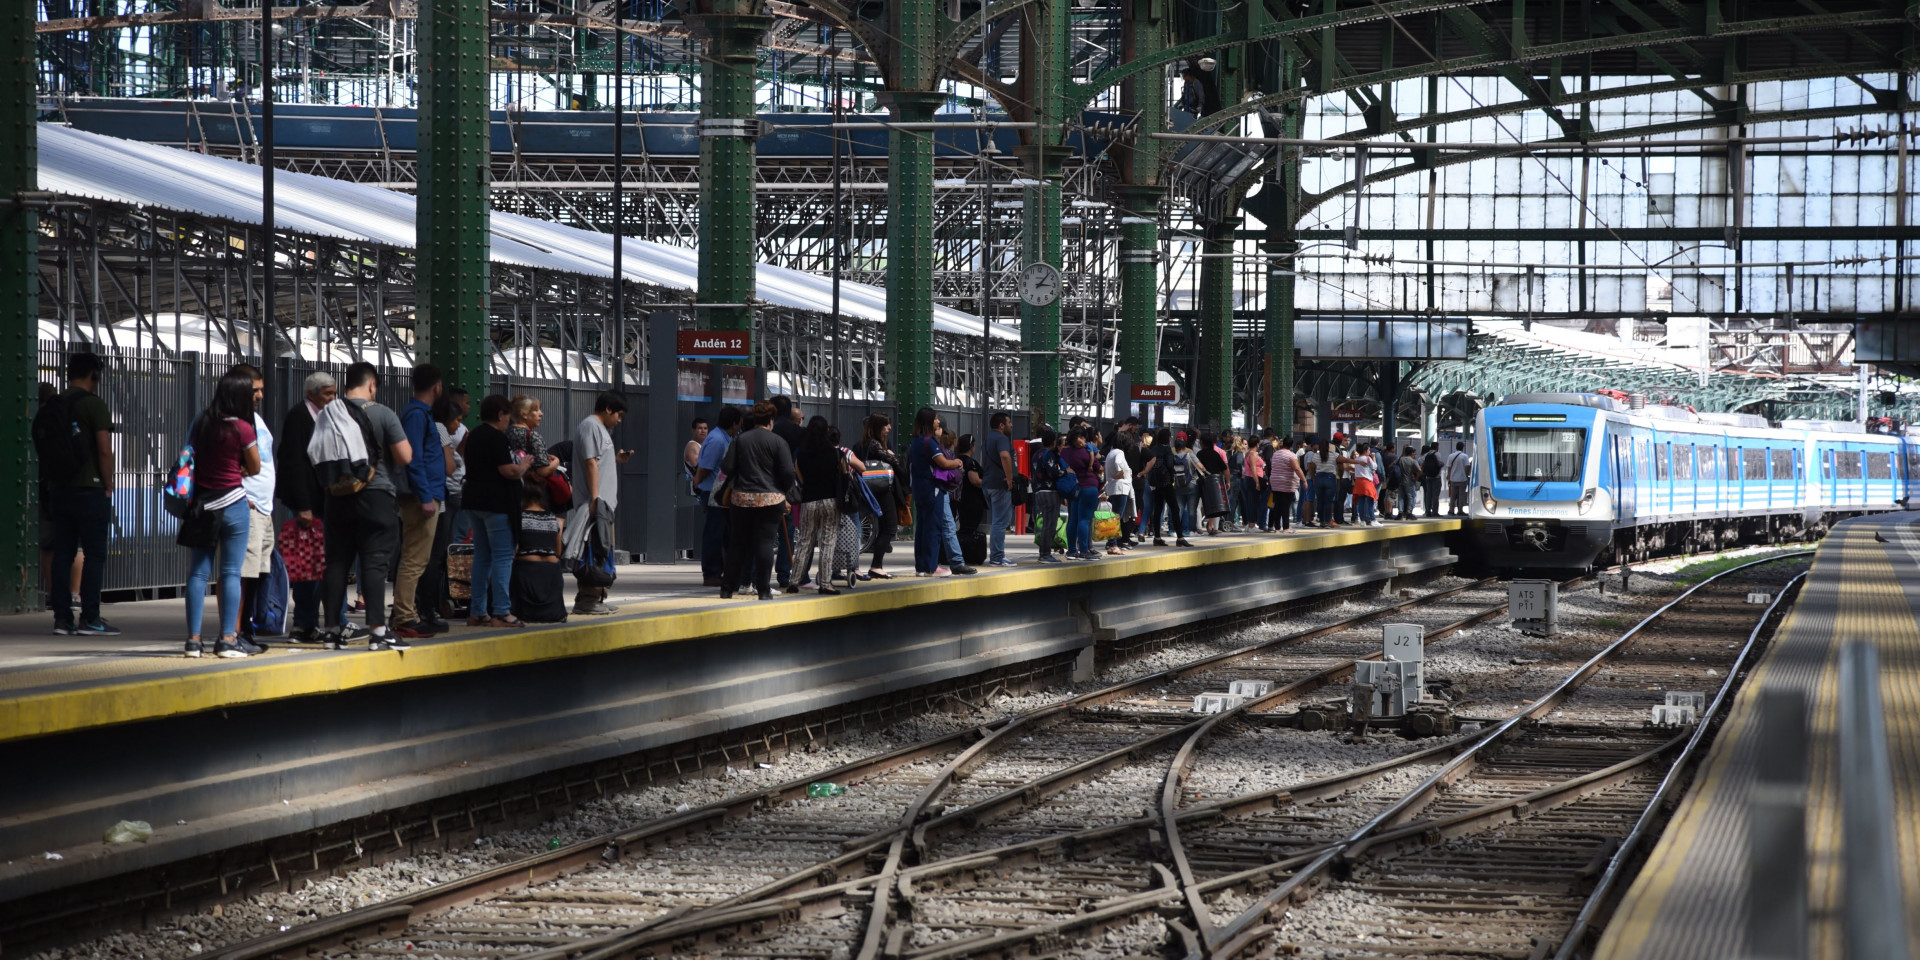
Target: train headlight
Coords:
[(1586, 500), (1487, 501)]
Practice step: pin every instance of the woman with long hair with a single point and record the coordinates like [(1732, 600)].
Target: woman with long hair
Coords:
[(874, 450), (823, 465), (224, 453), (932, 516)]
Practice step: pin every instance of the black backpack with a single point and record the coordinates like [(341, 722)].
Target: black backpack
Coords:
[(1430, 467), (57, 440)]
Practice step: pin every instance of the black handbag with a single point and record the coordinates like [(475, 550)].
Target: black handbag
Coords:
[(197, 528)]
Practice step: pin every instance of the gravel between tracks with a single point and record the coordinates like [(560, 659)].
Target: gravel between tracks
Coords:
[(1240, 760)]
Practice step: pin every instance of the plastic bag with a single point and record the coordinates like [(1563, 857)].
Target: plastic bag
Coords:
[(1106, 525), (130, 831)]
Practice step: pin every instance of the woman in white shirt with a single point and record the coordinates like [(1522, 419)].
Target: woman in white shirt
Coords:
[(1119, 494)]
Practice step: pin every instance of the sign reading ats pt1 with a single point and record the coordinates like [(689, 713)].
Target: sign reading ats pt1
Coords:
[(1154, 393), (713, 344)]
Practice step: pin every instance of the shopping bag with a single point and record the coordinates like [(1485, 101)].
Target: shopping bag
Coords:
[(305, 550), (1106, 525)]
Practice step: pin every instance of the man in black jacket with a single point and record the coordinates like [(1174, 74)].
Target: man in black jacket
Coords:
[(299, 489)]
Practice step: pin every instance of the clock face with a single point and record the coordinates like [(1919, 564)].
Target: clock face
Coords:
[(1039, 284)]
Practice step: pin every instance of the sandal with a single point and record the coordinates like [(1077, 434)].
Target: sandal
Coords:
[(509, 621), (879, 575)]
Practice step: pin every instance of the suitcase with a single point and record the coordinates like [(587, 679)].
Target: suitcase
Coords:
[(846, 549), (973, 548), (460, 571), (1213, 502)]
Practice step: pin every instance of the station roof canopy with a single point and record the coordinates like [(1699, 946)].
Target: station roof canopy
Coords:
[(88, 165), (1508, 357)]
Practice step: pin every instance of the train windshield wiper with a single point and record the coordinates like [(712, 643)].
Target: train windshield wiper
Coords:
[(1543, 480)]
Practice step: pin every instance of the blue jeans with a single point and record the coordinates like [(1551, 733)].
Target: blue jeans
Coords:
[(81, 518), (492, 564), (1363, 509), (926, 534), (1080, 520), (999, 518), (1326, 496), (949, 532), (1253, 502), (230, 536)]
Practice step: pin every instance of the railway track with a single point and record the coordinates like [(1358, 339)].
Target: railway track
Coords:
[(1066, 823), (771, 843), (1035, 897)]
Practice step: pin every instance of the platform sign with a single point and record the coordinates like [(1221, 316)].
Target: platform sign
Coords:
[(713, 344), (1534, 604), (1403, 642), (1154, 393)]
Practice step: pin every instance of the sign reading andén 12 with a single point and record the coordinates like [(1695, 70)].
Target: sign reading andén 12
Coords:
[(713, 344), (1154, 393)]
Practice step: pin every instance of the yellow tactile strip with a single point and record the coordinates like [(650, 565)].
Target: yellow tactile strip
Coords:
[(1689, 901), (65, 698)]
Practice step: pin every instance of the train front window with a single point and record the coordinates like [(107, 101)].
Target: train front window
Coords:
[(1543, 455)]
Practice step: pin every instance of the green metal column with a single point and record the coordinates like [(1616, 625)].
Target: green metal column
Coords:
[(909, 343), (1214, 404), (451, 225), (1140, 285), (1279, 335), (1282, 241), (1040, 326), (728, 129), (1146, 95), (19, 305), (1044, 65)]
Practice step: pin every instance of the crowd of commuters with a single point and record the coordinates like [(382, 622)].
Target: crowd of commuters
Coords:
[(366, 491), (786, 502)]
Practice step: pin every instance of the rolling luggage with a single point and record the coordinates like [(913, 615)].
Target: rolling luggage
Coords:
[(1212, 502), (846, 550), (973, 548)]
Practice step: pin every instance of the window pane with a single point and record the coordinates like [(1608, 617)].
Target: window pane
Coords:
[(1783, 465), (1533, 453), (1755, 466), (1880, 466)]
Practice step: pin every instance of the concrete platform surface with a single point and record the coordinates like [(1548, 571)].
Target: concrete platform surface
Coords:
[(1691, 900), (51, 684)]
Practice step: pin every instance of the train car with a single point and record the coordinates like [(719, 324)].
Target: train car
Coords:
[(1564, 480)]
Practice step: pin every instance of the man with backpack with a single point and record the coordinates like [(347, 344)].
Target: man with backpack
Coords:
[(1430, 474), (73, 438), (360, 450), (1048, 471)]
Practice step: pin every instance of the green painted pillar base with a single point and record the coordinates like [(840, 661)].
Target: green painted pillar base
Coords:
[(1280, 317), (1140, 284), (1214, 398), (451, 225), (909, 333), (728, 129), (19, 303)]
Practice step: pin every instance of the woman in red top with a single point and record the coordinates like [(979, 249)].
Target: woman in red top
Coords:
[(223, 453)]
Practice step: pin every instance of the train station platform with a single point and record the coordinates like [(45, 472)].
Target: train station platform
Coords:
[(1694, 898), (216, 754)]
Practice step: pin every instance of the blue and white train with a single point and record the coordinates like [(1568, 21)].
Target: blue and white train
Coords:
[(1568, 480)]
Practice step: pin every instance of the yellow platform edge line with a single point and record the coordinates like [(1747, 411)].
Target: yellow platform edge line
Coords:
[(1641, 909), (61, 711)]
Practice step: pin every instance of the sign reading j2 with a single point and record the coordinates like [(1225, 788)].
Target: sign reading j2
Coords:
[(713, 344), (1154, 393)]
